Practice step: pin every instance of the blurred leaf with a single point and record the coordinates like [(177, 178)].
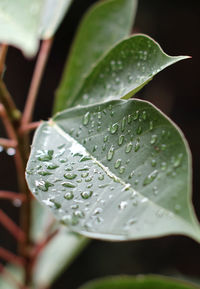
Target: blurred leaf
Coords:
[(54, 258), (103, 25), (125, 69), (120, 170), (17, 273), (24, 22), (139, 282)]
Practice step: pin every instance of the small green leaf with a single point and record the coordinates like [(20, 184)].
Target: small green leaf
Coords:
[(103, 25), (139, 282), (122, 171), (125, 69), (23, 23)]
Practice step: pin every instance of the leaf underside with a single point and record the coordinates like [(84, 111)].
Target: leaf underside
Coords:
[(139, 282), (113, 19), (115, 171)]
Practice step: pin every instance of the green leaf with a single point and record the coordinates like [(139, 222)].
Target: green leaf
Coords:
[(119, 170), (17, 273), (24, 22), (63, 248), (125, 69), (56, 256), (103, 25), (139, 282)]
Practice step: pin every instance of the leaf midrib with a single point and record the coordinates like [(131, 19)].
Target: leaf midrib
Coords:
[(60, 131)]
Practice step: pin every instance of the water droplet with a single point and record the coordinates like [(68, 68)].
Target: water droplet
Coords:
[(150, 178), (153, 139), (177, 161), (69, 196), (121, 139), (137, 146), (163, 147), (163, 166), (153, 163), (129, 118), (44, 155), (98, 211), (70, 176), (17, 203), (43, 186), (68, 185), (135, 115), (144, 115), (85, 175), (110, 153), (114, 128), (79, 214), (89, 179), (123, 205), (151, 125), (121, 170), (118, 163), (94, 148), (139, 130), (52, 166), (123, 123), (101, 177), (86, 194), (86, 118), (129, 147), (44, 173), (99, 115), (85, 158)]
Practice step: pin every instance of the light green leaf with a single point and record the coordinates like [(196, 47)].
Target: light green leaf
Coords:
[(24, 22), (56, 256), (17, 273), (103, 25), (120, 170), (139, 282), (125, 69), (62, 248)]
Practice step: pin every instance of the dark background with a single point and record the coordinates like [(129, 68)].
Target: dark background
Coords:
[(175, 25)]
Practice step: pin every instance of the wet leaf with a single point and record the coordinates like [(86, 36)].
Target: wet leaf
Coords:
[(23, 23), (103, 25), (139, 282), (120, 170), (124, 70), (17, 273)]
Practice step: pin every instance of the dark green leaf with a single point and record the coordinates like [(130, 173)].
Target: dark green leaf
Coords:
[(103, 25), (125, 69), (120, 170), (139, 282)]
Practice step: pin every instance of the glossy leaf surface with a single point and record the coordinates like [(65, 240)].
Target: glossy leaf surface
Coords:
[(104, 24), (23, 23), (17, 273), (119, 170), (140, 282), (125, 69)]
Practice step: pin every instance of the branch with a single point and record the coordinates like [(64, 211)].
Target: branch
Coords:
[(11, 227), (30, 126), (7, 143), (10, 257), (36, 80), (3, 52), (12, 196), (7, 123)]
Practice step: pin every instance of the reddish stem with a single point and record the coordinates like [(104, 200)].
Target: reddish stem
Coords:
[(3, 52), (12, 227), (12, 196), (7, 143), (10, 278), (36, 80), (10, 257), (8, 125), (30, 126)]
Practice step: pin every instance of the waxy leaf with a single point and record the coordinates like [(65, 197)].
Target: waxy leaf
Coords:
[(125, 69), (16, 272), (23, 23), (119, 170), (139, 282), (104, 24)]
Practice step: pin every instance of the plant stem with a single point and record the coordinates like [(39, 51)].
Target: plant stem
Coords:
[(36, 80), (10, 257), (11, 227), (3, 52), (7, 143), (11, 196), (30, 126)]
